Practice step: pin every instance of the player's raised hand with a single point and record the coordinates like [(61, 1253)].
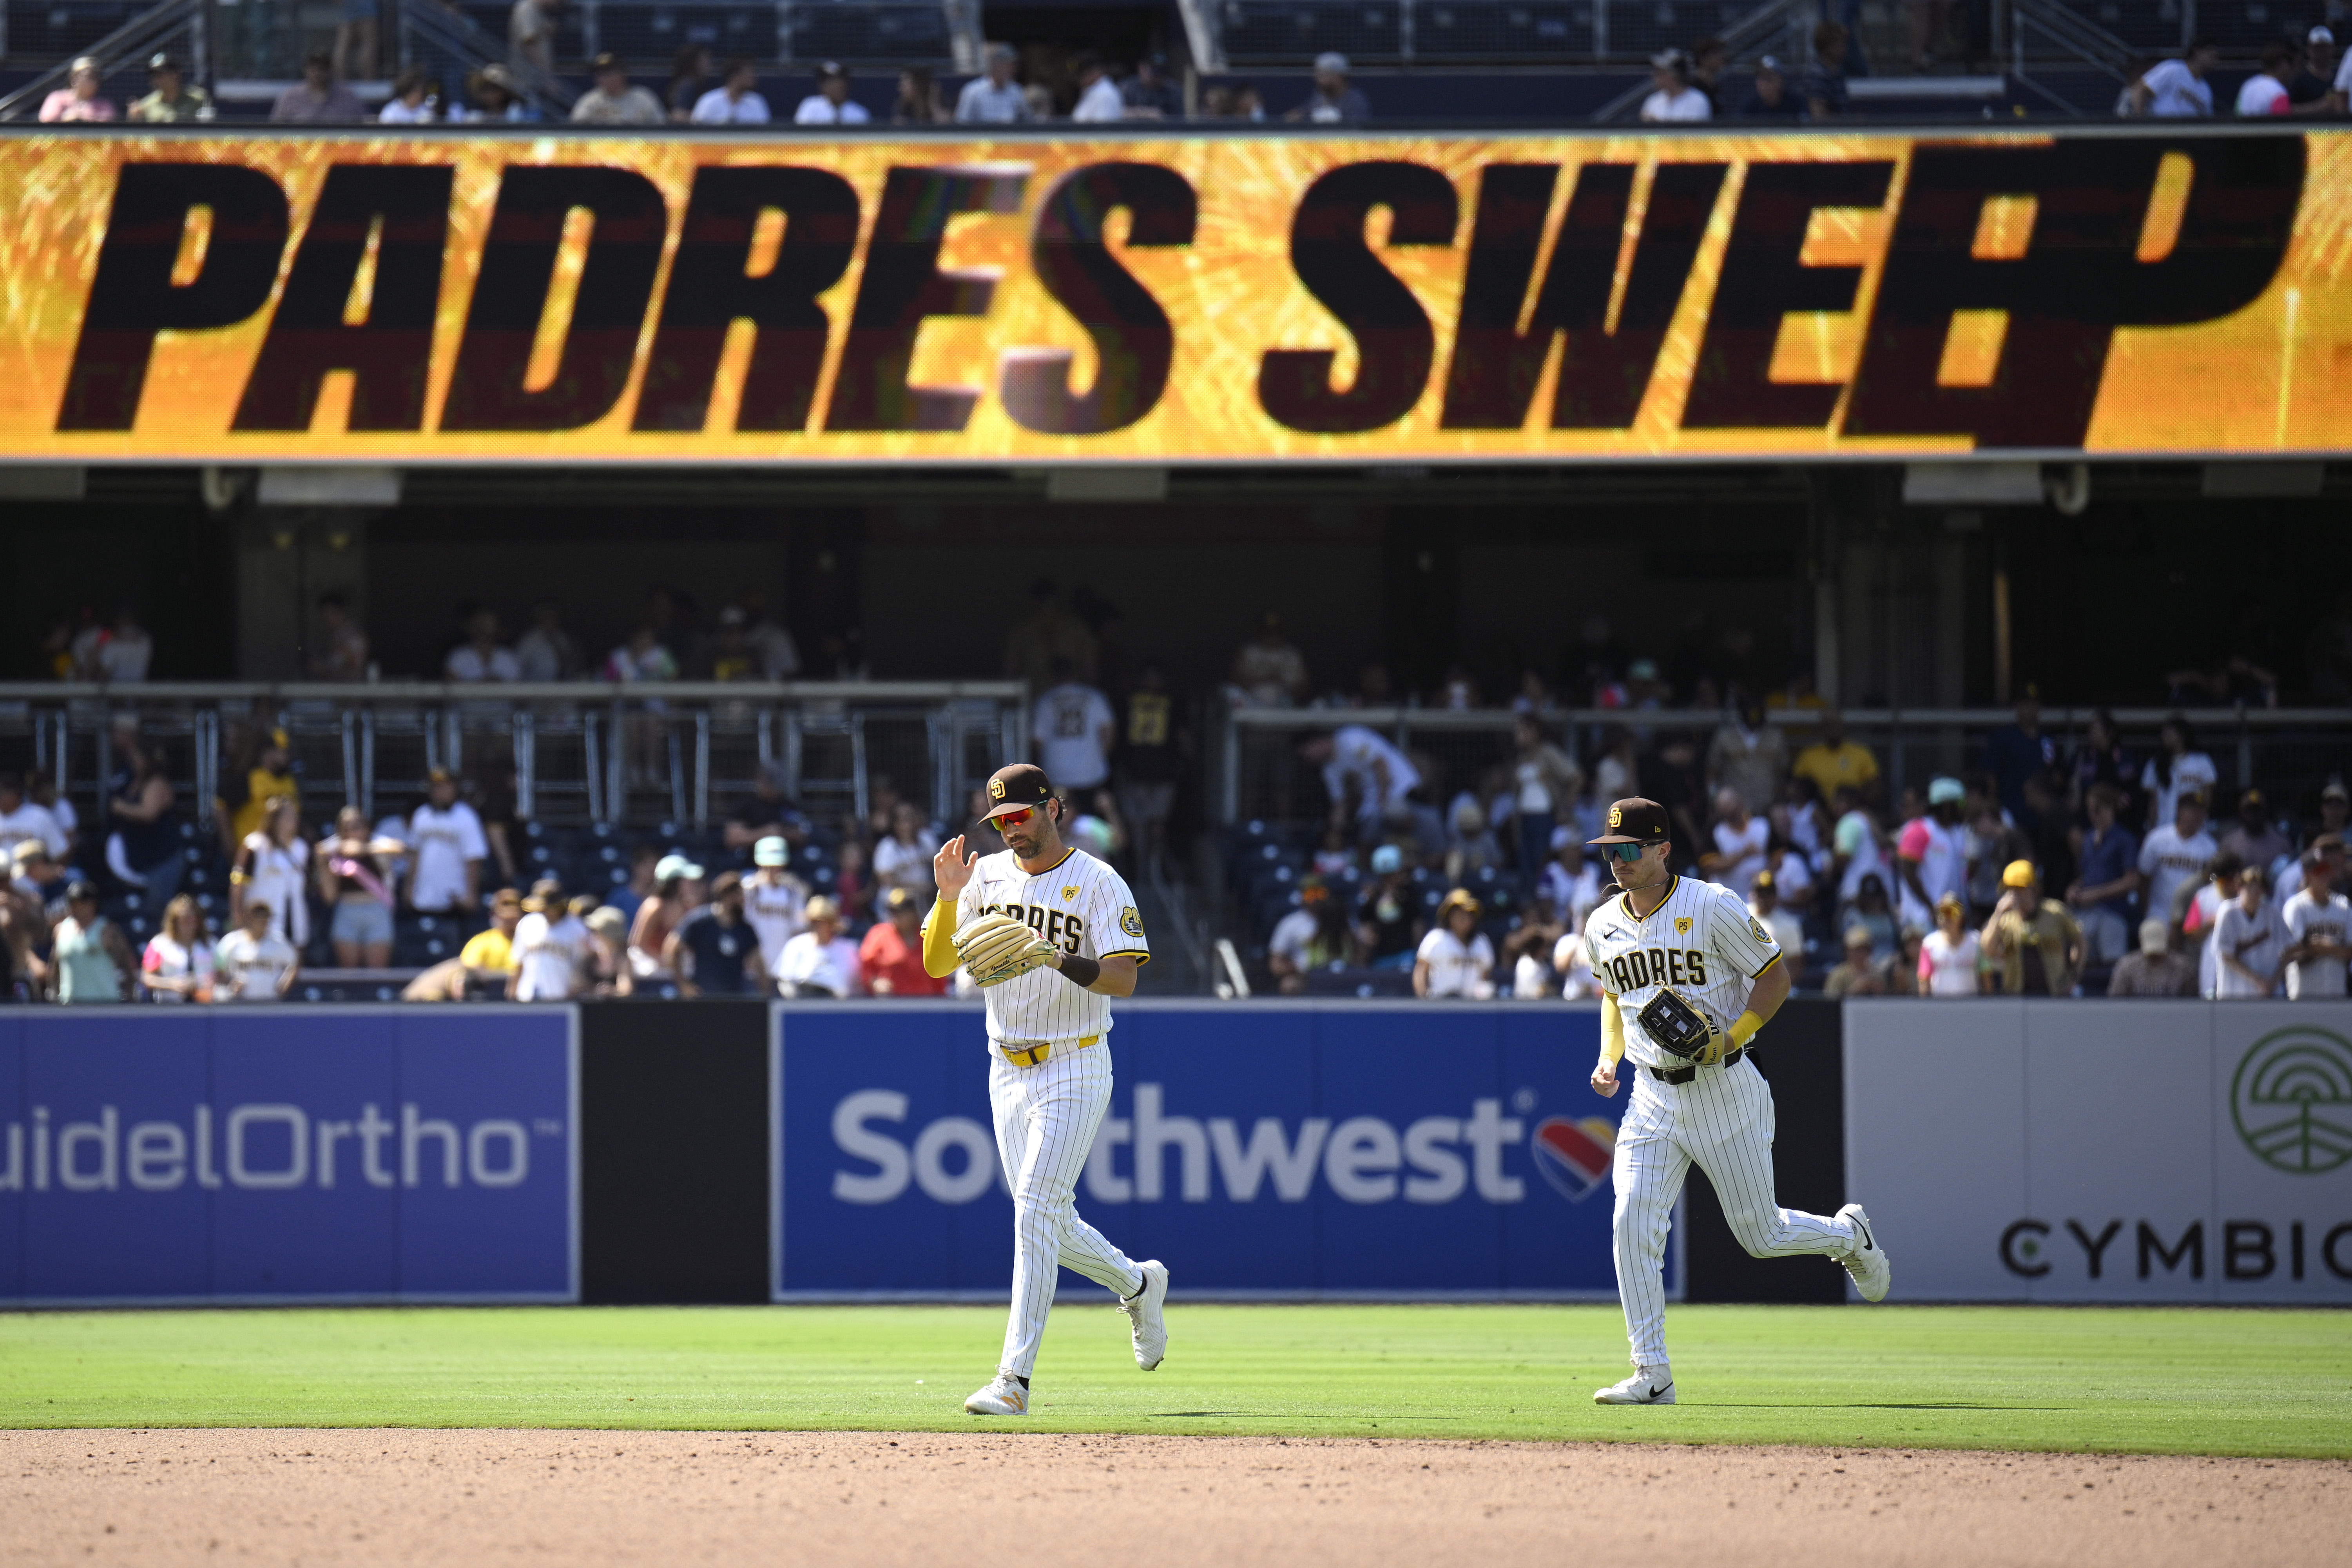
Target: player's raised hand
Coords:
[(1605, 1081), (951, 867)]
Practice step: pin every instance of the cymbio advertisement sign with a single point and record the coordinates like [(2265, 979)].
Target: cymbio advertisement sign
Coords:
[(2089, 1151), (411, 299), (190, 1154), (1271, 1150)]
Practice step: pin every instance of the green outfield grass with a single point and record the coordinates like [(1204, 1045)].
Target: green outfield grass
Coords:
[(2120, 1380)]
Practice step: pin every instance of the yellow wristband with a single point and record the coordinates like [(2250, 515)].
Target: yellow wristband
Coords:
[(1743, 1029)]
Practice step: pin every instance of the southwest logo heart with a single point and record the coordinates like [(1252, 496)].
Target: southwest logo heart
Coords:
[(1574, 1155)]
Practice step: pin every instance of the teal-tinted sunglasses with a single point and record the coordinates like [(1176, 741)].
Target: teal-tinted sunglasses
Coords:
[(1628, 853)]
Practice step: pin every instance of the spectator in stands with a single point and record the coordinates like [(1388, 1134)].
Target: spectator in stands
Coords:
[(903, 859), (2248, 940), (2263, 95), (254, 962), (1333, 102), (24, 820), (612, 101), (2155, 970), (2176, 88), (736, 100), (2100, 759), (891, 956), (343, 647), (1471, 847), (319, 99), (1152, 746), (1571, 885), (1269, 670), (2318, 923), (1150, 93), (1771, 97), (1313, 936), (356, 882), (993, 98), (1950, 956), (495, 98), (480, 658), (1100, 101), (34, 874), (447, 848), (1991, 844), (1545, 783), (2335, 809), (2172, 858), (2106, 878), (1738, 839), (553, 955), (80, 99), (1618, 773), (2329, 846), (714, 951), (120, 651), (774, 899), (2017, 752), (2238, 680), (608, 954), (413, 100), (1873, 913), (1835, 761), (2034, 943), (1455, 959), (271, 777), (1708, 57), (1361, 768), (177, 965), (2314, 78), (821, 963), (90, 960), (1824, 88), (485, 964), (831, 104), (1671, 776), (766, 812), (2254, 838), (1047, 632), (920, 102), (1860, 974), (531, 36), (677, 890), (690, 76), (1930, 854), (170, 100), (273, 866), (1764, 903), (1075, 730), (639, 887), (144, 844), (1388, 914), (1674, 97), (547, 652)]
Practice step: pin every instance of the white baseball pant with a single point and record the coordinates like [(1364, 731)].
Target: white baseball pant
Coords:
[(1045, 1120), (1723, 1119)]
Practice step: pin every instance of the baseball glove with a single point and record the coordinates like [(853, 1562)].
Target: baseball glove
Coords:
[(996, 948), (1683, 1028)]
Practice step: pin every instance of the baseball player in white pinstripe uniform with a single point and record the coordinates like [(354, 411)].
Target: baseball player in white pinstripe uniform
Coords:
[(1696, 945), (1049, 1059)]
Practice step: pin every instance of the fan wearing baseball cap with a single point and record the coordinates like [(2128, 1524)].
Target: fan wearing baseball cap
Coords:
[(1674, 958)]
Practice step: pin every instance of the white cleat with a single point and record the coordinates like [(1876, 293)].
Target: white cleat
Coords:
[(1873, 1275), (1005, 1397), (1648, 1386), (1146, 1317)]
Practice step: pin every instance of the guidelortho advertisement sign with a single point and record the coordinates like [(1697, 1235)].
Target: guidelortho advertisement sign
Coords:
[(1272, 1151), (2093, 1151), (157, 1154), (357, 297)]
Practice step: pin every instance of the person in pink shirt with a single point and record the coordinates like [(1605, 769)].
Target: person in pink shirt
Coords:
[(78, 98)]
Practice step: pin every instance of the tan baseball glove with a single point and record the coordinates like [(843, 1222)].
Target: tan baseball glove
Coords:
[(996, 948), (1684, 1028)]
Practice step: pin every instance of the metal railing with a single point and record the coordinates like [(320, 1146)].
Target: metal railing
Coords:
[(451, 45), (182, 27), (578, 753)]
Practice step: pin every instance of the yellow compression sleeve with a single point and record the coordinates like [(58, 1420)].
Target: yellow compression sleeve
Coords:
[(1743, 1029), (1612, 1029), (939, 940)]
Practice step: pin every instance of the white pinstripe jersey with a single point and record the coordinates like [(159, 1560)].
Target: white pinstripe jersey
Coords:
[(1701, 942), (1083, 907)]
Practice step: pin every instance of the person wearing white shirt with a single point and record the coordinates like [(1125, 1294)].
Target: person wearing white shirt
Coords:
[(2318, 923), (1573, 964), (23, 820), (251, 965), (1073, 728), (612, 101), (273, 866), (551, 947), (480, 658), (1764, 904), (411, 100), (2181, 767), (2265, 92), (1099, 100), (1951, 955), (2174, 855), (903, 860), (2176, 90), (1739, 843), (448, 847), (831, 104), (1353, 754), (1455, 958), (995, 99), (1570, 884), (733, 103), (820, 961), (1676, 100), (2248, 937), (774, 901)]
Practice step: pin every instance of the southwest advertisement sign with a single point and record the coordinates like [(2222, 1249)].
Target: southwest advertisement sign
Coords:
[(1267, 1152), (412, 299), (2093, 1151), (266, 1154)]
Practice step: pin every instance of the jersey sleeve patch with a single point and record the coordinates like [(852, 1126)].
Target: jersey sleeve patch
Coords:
[(1131, 923)]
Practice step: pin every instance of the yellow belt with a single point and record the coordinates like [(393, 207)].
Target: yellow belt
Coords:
[(1033, 1056)]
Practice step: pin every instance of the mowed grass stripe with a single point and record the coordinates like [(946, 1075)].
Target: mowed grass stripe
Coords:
[(2095, 1379)]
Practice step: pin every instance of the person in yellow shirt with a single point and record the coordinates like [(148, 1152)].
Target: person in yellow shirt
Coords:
[(272, 776), (482, 965), (1833, 761)]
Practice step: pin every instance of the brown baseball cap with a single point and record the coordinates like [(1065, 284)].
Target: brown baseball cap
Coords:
[(1636, 821), (1019, 787)]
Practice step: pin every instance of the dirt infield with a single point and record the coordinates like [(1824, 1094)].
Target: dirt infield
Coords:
[(160, 1497)]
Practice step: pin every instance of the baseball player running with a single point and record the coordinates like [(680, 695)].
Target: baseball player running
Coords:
[(1051, 934), (1679, 956)]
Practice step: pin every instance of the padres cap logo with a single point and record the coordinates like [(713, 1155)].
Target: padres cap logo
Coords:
[(1616, 817), (996, 791)]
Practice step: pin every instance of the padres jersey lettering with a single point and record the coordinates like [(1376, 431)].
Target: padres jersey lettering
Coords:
[(1081, 906), (1701, 941)]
